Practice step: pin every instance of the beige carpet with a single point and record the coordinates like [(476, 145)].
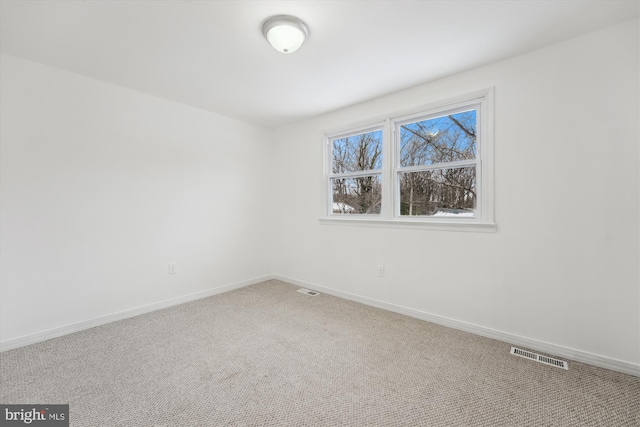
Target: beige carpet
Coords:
[(266, 355)]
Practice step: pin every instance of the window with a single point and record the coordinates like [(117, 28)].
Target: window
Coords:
[(429, 167), (356, 173), (436, 164)]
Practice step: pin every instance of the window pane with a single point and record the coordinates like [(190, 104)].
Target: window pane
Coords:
[(358, 153), (439, 193), (442, 139), (360, 195)]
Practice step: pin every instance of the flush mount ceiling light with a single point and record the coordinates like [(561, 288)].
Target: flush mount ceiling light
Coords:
[(285, 33)]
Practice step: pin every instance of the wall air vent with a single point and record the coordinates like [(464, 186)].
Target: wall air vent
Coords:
[(308, 292), (540, 358)]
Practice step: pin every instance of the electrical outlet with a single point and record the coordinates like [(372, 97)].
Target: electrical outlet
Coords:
[(381, 271), (172, 268)]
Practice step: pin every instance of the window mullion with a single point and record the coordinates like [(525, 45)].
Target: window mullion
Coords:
[(395, 170), (387, 175)]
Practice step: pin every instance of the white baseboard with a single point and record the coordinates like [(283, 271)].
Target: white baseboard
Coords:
[(532, 344), (80, 326)]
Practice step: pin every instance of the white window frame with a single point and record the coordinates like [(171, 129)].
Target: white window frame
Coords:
[(389, 216)]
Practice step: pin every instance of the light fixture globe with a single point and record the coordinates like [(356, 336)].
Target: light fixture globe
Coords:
[(285, 33)]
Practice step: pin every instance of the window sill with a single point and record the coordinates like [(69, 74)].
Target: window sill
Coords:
[(416, 224)]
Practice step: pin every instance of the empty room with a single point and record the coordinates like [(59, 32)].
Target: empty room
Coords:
[(319, 213)]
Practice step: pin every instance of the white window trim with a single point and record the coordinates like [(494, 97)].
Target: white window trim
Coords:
[(390, 215)]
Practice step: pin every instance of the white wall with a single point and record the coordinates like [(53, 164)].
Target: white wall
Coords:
[(102, 187), (562, 269)]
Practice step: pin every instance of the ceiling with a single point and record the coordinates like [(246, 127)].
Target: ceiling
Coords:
[(212, 55)]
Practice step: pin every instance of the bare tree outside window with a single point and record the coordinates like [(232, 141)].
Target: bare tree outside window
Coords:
[(414, 168), (437, 182), (356, 165)]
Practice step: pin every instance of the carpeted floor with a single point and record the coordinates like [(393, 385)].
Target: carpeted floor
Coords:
[(266, 355)]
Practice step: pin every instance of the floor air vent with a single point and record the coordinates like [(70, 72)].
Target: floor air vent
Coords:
[(540, 358), (308, 292)]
